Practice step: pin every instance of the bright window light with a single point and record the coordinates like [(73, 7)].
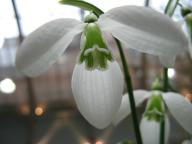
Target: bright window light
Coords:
[(7, 86), (45, 11), (1, 41), (158, 5), (171, 72), (106, 5), (1, 37)]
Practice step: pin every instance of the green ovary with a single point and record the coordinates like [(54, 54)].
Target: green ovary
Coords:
[(155, 108), (94, 52)]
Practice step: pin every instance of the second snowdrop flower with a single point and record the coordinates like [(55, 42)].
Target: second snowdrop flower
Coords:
[(151, 120), (178, 106)]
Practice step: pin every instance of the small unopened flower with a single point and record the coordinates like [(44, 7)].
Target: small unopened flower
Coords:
[(178, 106), (97, 82)]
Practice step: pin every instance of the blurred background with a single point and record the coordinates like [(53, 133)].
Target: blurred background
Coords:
[(42, 110)]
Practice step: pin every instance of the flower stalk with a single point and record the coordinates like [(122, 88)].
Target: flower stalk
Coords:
[(98, 12), (169, 10), (130, 92)]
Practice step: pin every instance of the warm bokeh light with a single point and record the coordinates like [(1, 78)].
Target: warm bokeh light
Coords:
[(24, 109), (7, 86), (187, 94), (171, 72), (86, 143), (99, 142), (39, 111)]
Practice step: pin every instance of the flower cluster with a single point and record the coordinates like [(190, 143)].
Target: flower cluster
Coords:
[(97, 81)]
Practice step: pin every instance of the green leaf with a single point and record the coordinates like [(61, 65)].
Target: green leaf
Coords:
[(171, 6), (83, 5)]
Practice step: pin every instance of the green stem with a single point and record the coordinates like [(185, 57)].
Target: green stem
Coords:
[(169, 10), (83, 5), (171, 6), (130, 92), (165, 89), (98, 12), (165, 79)]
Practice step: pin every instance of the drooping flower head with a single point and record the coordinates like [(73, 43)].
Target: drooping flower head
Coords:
[(151, 121), (177, 105), (97, 82)]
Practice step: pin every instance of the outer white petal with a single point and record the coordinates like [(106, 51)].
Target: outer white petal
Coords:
[(98, 93), (150, 131), (145, 30), (43, 46), (125, 110), (167, 60), (180, 108)]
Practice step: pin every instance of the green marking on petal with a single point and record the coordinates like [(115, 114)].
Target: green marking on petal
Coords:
[(155, 107), (94, 52)]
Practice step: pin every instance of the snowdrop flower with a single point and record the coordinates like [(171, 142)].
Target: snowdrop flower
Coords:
[(178, 106), (97, 82), (151, 121)]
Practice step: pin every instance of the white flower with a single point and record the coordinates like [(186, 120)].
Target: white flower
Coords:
[(150, 130), (98, 91), (178, 106)]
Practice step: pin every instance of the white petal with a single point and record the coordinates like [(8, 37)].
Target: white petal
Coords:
[(167, 61), (145, 30), (125, 110), (150, 131), (43, 46), (180, 108), (98, 93)]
